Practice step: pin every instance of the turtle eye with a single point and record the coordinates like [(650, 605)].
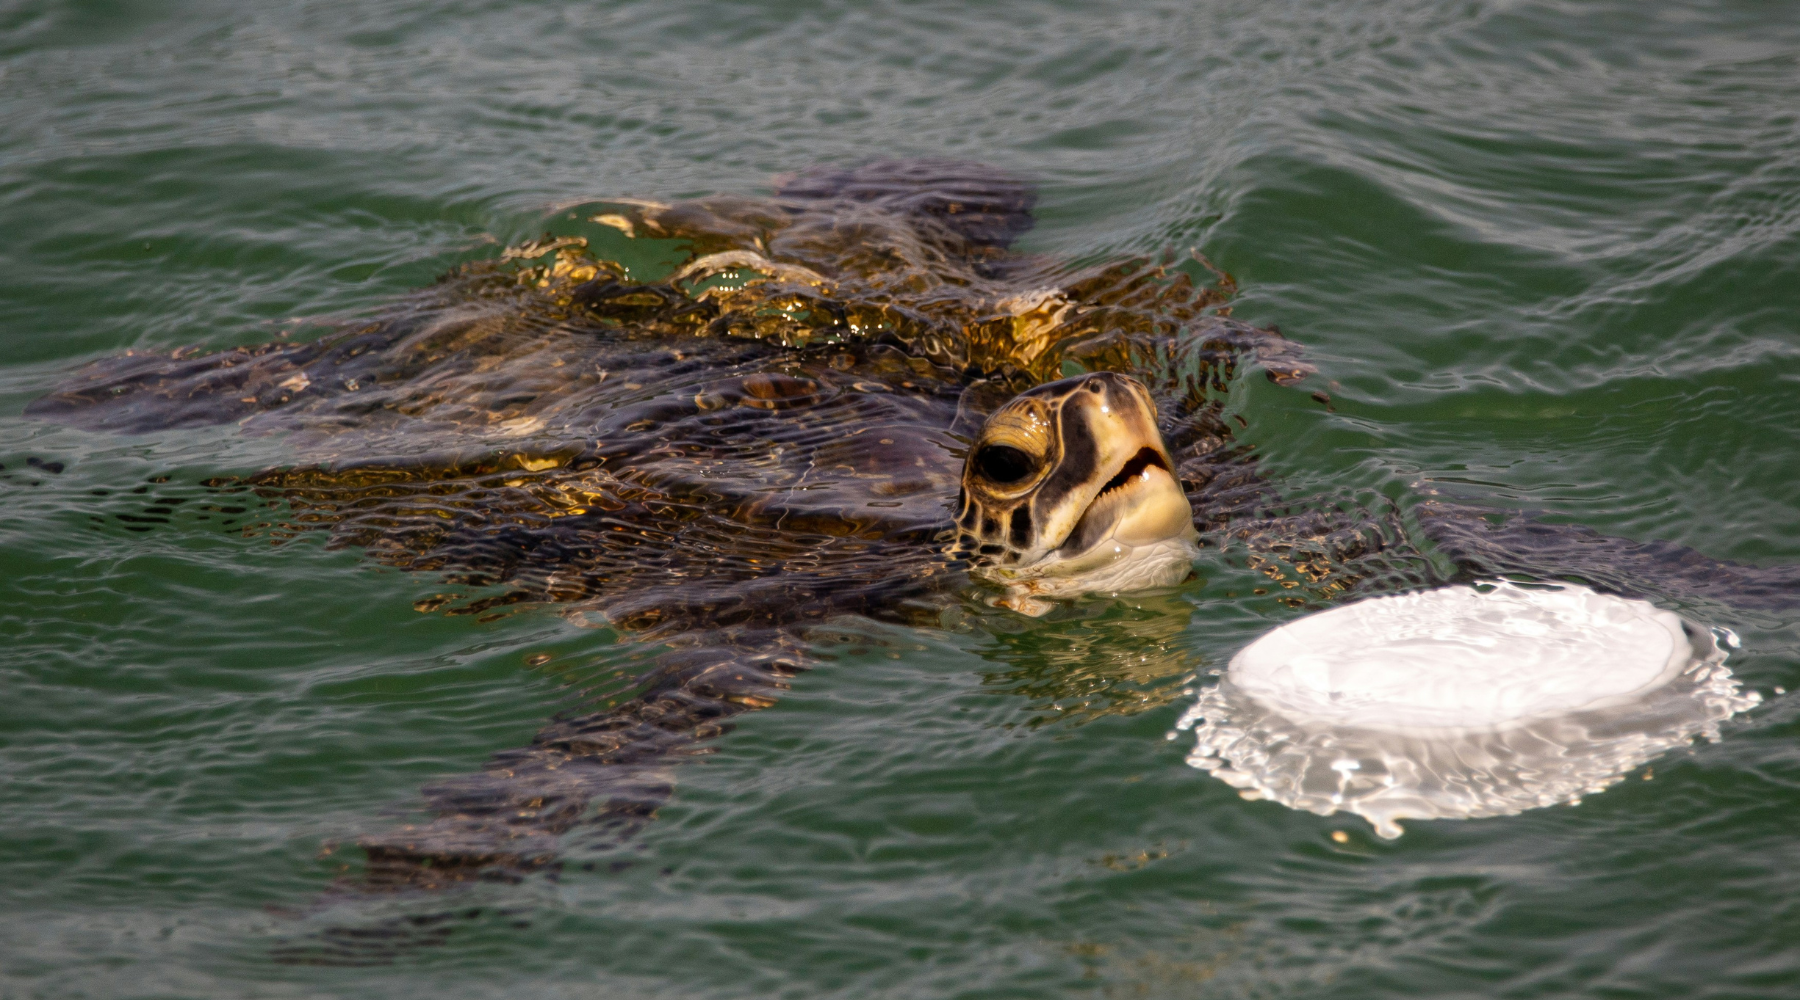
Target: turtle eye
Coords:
[(1001, 464)]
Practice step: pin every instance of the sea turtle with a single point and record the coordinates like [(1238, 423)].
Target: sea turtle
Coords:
[(716, 423)]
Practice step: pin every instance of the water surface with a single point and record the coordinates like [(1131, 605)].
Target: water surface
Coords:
[(1547, 255)]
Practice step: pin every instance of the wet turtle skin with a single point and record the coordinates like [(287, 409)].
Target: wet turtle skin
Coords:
[(768, 435)]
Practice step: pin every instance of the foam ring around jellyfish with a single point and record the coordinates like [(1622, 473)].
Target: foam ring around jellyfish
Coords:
[(1461, 702)]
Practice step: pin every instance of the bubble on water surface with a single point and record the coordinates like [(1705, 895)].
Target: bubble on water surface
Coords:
[(1461, 702)]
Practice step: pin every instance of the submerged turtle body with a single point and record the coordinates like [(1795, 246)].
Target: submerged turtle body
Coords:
[(773, 431)]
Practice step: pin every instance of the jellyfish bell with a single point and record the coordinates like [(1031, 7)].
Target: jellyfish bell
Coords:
[(1463, 657), (1461, 702)]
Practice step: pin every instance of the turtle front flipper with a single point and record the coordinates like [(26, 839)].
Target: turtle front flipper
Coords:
[(606, 771)]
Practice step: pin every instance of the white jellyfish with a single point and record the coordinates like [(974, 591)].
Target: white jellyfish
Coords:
[(1461, 702)]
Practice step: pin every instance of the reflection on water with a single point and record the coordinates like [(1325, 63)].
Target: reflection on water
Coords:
[(1104, 658)]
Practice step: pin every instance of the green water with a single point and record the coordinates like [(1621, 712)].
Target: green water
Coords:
[(1547, 255)]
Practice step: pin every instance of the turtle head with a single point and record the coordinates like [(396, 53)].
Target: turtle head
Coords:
[(1068, 489)]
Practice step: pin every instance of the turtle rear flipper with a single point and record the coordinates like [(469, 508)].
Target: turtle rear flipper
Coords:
[(982, 204), (1489, 542)]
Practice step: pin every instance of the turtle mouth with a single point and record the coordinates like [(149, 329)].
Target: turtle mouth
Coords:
[(1146, 458), (1141, 504)]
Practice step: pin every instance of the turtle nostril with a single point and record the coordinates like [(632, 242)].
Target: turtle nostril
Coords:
[(1095, 386)]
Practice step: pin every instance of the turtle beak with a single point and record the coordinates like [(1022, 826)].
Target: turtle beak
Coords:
[(1140, 505), (1132, 497)]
